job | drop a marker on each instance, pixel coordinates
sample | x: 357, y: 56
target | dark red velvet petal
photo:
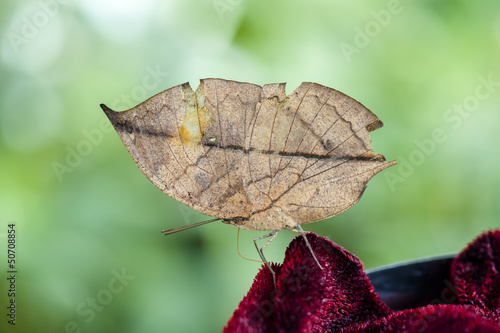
x: 476, y: 275
x: 310, y: 299
x: 442, y: 318
x: 255, y: 313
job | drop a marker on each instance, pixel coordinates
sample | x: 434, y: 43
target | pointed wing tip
x: 106, y: 110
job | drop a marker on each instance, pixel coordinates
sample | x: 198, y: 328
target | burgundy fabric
x: 476, y: 275
x: 441, y: 318
x: 340, y: 298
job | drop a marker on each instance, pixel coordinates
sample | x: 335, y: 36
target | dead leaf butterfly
x: 252, y: 157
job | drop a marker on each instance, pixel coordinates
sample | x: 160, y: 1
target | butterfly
x: 251, y: 156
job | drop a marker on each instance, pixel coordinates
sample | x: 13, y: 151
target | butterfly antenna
x: 189, y: 226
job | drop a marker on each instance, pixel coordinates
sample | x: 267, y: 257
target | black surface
x: 415, y: 283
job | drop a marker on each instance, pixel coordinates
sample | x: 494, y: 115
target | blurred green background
x: 90, y: 254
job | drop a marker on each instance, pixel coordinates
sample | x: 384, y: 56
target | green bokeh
x: 413, y: 63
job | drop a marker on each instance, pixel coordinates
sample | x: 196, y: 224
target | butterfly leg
x: 303, y: 233
x: 271, y: 236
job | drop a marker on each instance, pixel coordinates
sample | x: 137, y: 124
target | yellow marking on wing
x: 194, y: 124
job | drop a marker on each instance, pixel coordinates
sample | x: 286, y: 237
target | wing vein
x: 170, y: 148
x: 219, y: 117
x: 290, y: 130
x: 250, y: 146
x: 271, y: 177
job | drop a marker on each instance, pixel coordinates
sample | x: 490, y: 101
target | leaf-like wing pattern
x: 234, y: 149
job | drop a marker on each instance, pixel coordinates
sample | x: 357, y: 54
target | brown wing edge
x: 108, y: 112
x: 386, y: 165
x: 375, y: 125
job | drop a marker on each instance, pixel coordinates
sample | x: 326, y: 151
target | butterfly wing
x: 177, y: 139
x: 234, y: 149
x: 315, y: 155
